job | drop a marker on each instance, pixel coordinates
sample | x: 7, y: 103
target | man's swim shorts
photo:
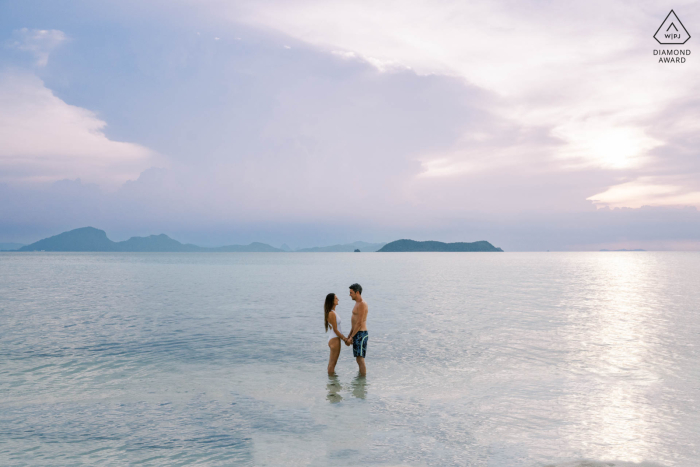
x: 359, y: 344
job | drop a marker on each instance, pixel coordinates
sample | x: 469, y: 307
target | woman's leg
x: 334, y: 344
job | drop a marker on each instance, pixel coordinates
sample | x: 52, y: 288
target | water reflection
x: 359, y: 387
x: 334, y: 388
x: 614, y: 336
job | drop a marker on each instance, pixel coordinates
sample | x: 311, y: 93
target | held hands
x: 348, y: 341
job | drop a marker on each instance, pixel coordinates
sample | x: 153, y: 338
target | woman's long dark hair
x: 327, y: 307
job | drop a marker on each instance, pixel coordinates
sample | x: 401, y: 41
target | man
x: 358, y: 333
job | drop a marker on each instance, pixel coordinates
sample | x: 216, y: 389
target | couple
x: 358, y: 333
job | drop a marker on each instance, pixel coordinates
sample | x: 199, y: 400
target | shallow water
x: 514, y: 359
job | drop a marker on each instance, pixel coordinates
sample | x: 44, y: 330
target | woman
x: 332, y: 320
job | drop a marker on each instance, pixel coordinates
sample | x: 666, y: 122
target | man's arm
x: 353, y: 331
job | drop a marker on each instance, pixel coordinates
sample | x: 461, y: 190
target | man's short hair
x: 357, y: 288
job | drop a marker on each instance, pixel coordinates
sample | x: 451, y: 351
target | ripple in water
x: 513, y: 359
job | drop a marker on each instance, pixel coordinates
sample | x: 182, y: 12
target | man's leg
x: 361, y: 364
x: 359, y: 349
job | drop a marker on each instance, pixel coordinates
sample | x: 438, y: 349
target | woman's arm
x: 332, y: 320
x: 352, y: 333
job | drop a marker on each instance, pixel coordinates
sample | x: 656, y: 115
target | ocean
x: 474, y: 359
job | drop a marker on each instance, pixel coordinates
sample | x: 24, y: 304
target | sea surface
x: 474, y: 359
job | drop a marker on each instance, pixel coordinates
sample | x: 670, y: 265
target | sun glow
x: 606, y: 147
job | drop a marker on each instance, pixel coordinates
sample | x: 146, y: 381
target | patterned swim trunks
x: 359, y: 344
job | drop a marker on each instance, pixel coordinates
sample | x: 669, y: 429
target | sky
x: 534, y: 125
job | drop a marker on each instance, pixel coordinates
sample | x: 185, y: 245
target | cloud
x: 42, y: 138
x: 648, y: 191
x: 437, y: 120
x: 38, y: 42
x: 583, y: 73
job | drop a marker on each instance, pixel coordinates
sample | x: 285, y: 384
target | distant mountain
x: 624, y: 250
x: 155, y: 243
x: 255, y: 247
x: 84, y: 239
x: 348, y: 247
x: 92, y: 239
x: 285, y: 247
x: 412, y: 245
x: 10, y: 246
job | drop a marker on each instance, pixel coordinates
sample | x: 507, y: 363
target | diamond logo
x: 672, y: 31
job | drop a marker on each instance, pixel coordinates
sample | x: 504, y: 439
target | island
x: 95, y: 240
x: 412, y: 245
x: 90, y: 239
